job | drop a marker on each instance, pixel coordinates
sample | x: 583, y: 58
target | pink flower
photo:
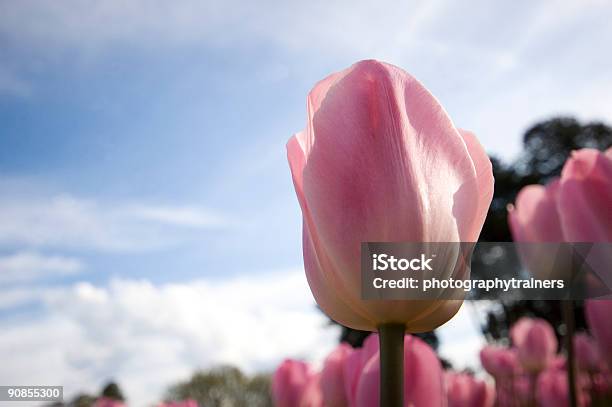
x: 380, y: 160
x: 536, y: 343
x: 463, y: 390
x: 289, y: 382
x: 183, y: 403
x: 553, y: 390
x: 355, y: 363
x: 423, y: 381
x: 499, y: 362
x: 587, y: 355
x: 312, y: 395
x: 108, y: 402
x: 599, y: 316
x: 332, y: 377
x: 573, y: 208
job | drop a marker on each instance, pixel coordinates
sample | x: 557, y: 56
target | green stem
x: 391, y: 365
x: 568, y: 316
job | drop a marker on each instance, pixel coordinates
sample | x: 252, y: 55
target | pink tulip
x: 536, y: 343
x: 332, y: 377
x: 585, y: 196
x: 183, y: 403
x: 574, y: 208
x: 463, y: 390
x: 423, y: 380
x: 587, y: 355
x: 535, y: 219
x: 499, y: 362
x: 380, y: 160
x: 599, y: 315
x: 289, y: 383
x: 108, y: 402
x: 585, y: 199
x: 355, y: 363
x: 312, y: 395
x: 553, y: 390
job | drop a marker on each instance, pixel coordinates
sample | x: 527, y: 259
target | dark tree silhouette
x: 112, y: 391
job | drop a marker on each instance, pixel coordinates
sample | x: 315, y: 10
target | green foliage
x: 224, y: 387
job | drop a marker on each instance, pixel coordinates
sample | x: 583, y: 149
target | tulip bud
x: 289, y: 382
x: 463, y: 390
x: 423, y: 381
x: 332, y: 377
x: 536, y: 343
x: 598, y: 314
x: 587, y: 355
x: 499, y: 362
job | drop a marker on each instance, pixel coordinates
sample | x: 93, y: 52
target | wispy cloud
x: 148, y: 336
x: 27, y: 266
x: 71, y: 222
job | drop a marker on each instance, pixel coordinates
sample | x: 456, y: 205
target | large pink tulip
x: 464, y: 390
x: 423, y: 379
x: 333, y: 378
x: 599, y: 317
x: 289, y: 383
x: 536, y: 343
x: 501, y: 363
x: 380, y: 160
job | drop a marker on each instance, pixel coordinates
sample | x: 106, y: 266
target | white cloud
x: 28, y: 265
x: 496, y: 67
x: 149, y: 336
x: 67, y: 221
x: 460, y: 338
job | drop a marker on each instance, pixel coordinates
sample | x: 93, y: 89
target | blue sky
x: 142, y: 150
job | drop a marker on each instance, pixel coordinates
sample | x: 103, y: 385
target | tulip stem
x: 568, y: 316
x: 392, y: 364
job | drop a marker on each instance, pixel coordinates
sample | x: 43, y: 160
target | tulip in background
x: 183, y: 403
x: 333, y: 377
x: 380, y: 160
x: 573, y: 208
x: 587, y: 354
x: 290, y: 383
x: 423, y: 381
x: 108, y: 402
x: 350, y: 378
x: 499, y: 362
x: 464, y: 390
x: 536, y: 343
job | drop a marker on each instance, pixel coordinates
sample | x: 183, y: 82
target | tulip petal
x: 484, y: 176
x: 534, y: 218
x: 585, y: 197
